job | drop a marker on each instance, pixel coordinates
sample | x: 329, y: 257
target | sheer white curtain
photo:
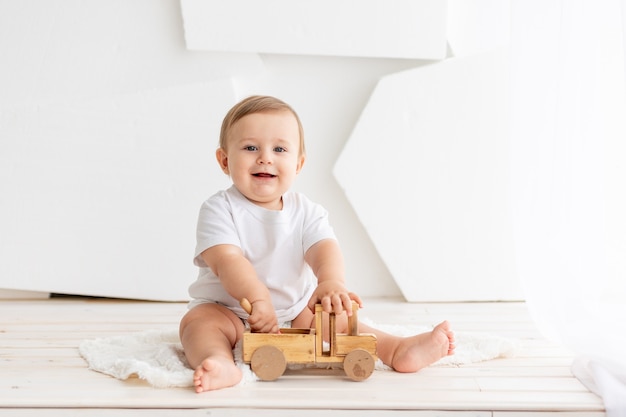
x: 568, y: 161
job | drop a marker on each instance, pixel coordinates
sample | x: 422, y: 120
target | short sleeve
x: 316, y: 226
x: 215, y: 226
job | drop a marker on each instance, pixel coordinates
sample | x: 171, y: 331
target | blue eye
x: 250, y: 148
x: 280, y: 149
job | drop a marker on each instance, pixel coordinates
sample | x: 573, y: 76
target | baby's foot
x: 416, y: 352
x: 216, y: 373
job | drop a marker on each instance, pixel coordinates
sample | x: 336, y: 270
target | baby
x: 259, y: 240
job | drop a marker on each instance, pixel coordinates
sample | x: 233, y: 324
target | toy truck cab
x: 269, y: 354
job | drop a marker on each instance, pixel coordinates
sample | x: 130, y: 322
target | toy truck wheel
x: 359, y: 365
x: 268, y: 363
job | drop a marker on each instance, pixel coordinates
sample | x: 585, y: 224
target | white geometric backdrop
x: 426, y: 169
x: 108, y: 121
x: 364, y: 28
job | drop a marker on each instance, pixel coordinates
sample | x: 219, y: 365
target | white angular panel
x: 100, y: 197
x: 426, y: 170
x: 367, y: 28
x: 107, y: 132
x: 477, y: 26
x: 60, y: 51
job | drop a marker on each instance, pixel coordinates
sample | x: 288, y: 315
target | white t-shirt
x: 275, y: 242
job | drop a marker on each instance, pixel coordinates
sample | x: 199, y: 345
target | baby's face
x: 263, y: 156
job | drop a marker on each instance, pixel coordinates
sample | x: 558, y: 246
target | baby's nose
x: 265, y: 158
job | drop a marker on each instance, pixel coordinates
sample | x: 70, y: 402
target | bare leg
x: 208, y: 334
x: 410, y: 354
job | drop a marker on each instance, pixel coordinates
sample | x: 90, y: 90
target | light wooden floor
x: 41, y: 372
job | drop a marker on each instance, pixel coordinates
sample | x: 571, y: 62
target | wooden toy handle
x: 245, y: 304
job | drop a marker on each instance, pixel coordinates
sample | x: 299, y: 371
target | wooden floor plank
x: 235, y: 412
x: 42, y: 370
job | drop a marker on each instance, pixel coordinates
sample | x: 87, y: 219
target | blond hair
x: 256, y: 104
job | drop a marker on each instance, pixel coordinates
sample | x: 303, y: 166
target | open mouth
x: 263, y: 175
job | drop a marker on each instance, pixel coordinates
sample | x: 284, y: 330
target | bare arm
x: 326, y: 261
x: 240, y: 280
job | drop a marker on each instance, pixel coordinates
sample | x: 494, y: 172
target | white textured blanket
x: 158, y: 358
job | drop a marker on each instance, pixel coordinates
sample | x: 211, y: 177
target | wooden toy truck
x: 269, y: 354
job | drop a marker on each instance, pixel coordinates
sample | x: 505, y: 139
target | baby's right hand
x: 263, y: 317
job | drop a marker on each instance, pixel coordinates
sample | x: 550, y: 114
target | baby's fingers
x: 263, y: 326
x: 347, y: 304
x: 337, y: 303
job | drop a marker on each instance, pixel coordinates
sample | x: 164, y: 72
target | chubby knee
x: 212, y: 316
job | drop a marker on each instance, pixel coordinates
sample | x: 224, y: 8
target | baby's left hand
x: 334, y: 298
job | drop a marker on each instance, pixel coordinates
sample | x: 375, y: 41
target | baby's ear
x: 301, y: 160
x: 222, y: 160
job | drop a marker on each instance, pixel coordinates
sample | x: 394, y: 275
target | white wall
x: 105, y: 112
x: 568, y: 171
x: 107, y: 130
